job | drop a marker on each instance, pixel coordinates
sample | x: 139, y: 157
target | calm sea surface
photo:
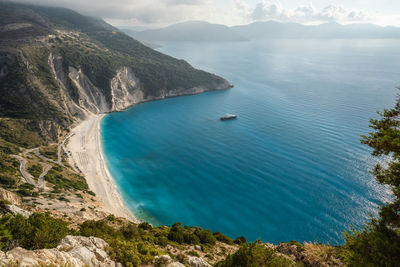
x: 291, y: 167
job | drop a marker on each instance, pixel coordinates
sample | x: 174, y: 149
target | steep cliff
x: 57, y: 67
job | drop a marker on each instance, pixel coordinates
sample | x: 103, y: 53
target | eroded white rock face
x: 17, y: 210
x: 10, y: 196
x: 89, y: 96
x: 125, y: 90
x: 72, y: 251
x: 198, y: 262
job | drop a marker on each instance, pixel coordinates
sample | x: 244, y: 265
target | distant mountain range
x: 200, y: 31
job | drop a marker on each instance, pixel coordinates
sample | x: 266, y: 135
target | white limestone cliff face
x: 70, y: 105
x: 88, y: 96
x: 125, y: 90
x: 72, y: 251
x: 82, y: 98
x: 88, y: 99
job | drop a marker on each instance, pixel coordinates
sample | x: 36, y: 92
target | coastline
x: 86, y: 152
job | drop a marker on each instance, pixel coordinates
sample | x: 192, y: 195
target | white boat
x: 228, y: 117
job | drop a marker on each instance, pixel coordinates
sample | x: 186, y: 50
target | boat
x: 228, y: 117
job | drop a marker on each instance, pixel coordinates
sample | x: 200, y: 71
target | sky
x: 159, y: 13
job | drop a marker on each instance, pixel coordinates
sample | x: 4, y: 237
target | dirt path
x: 47, y: 168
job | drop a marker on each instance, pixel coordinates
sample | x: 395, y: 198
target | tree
x: 5, y: 235
x: 378, y: 244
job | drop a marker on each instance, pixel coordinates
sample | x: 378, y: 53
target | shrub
x: 191, y: 238
x: 193, y: 253
x: 91, y: 193
x: 97, y: 228
x: 111, y: 218
x: 133, y: 253
x: 162, y: 241
x: 223, y: 238
x: 206, y: 237
x: 7, y: 180
x: 299, y: 246
x: 38, y: 231
x: 176, y: 235
x: 145, y: 226
x: 254, y: 255
x: 35, y: 170
x: 130, y: 231
x: 24, y: 192
x: 240, y: 240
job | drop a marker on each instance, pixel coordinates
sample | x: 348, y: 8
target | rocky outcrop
x: 125, y: 90
x: 14, y: 210
x: 198, y: 262
x: 72, y: 251
x: 11, y: 197
x: 309, y: 254
x: 165, y: 260
x: 88, y: 96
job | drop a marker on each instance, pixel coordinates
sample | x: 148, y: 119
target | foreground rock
x: 11, y: 197
x: 198, y: 262
x: 165, y: 260
x: 72, y: 251
x: 310, y: 254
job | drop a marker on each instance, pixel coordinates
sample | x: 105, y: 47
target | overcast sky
x: 156, y: 13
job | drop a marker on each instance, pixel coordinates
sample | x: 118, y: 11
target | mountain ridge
x: 263, y: 30
x: 195, y: 31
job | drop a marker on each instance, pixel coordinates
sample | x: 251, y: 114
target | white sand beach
x: 85, y: 148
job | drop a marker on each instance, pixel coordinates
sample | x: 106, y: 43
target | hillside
x: 57, y: 66
x: 190, y: 31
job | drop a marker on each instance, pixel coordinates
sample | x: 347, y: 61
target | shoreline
x: 86, y: 152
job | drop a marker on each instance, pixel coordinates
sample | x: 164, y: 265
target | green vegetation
x: 49, y: 151
x: 38, y: 231
x: 35, y: 170
x: 65, y: 179
x: 223, y: 238
x: 133, y: 244
x: 378, y: 244
x: 191, y: 235
x: 255, y: 255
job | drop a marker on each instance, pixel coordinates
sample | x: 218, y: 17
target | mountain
x: 277, y: 30
x: 57, y: 67
x: 193, y: 31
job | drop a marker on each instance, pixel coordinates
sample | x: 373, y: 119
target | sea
x: 290, y: 167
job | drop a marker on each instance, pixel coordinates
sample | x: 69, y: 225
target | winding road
x: 47, y: 167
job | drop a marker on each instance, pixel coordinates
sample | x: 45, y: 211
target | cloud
x: 136, y: 11
x: 273, y: 10
x: 156, y: 13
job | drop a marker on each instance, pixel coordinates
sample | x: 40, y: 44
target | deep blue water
x: 290, y: 167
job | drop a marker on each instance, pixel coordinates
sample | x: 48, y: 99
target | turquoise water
x: 290, y: 167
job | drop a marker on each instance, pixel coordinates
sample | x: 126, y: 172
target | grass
x: 35, y: 170
x: 63, y: 178
x: 49, y: 151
